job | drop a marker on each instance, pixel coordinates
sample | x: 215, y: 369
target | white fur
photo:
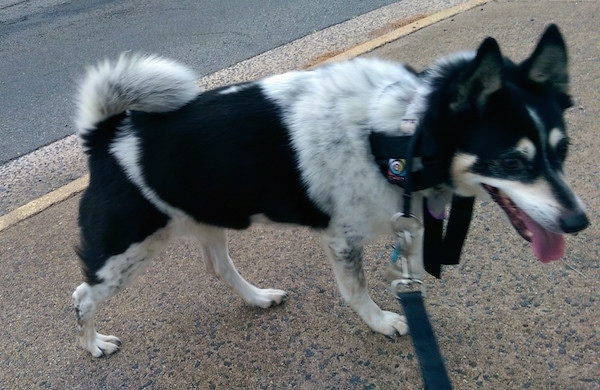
x: 330, y: 125
x: 233, y: 89
x: 126, y: 150
x: 118, y: 271
x: 556, y: 135
x: 540, y: 128
x: 121, y: 269
x: 133, y: 82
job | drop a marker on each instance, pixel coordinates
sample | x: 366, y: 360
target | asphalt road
x: 44, y: 46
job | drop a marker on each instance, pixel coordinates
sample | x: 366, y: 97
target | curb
x: 65, y: 192
x: 40, y: 204
x: 403, y: 31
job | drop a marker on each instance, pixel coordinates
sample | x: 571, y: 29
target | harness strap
x: 389, y: 150
x: 433, y: 240
x: 444, y: 249
x: 394, y: 155
x: 457, y: 229
x: 433, y: 370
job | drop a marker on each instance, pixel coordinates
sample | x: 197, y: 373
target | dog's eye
x: 511, y: 163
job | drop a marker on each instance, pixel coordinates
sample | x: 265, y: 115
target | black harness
x: 394, y: 156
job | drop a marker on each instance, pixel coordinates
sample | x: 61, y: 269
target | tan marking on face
x: 466, y: 183
x: 527, y: 148
x: 462, y: 164
x: 555, y: 137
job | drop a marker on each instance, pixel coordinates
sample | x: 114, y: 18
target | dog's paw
x: 391, y: 324
x: 101, y: 345
x: 268, y: 297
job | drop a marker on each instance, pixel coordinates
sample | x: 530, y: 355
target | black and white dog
x: 167, y: 159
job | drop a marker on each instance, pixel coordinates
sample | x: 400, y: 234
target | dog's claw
x: 103, y: 345
x: 391, y: 324
x: 283, y: 299
x: 268, y: 297
x: 401, y: 326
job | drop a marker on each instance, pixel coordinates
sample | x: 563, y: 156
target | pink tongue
x: 547, y: 246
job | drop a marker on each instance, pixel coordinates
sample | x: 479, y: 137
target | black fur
x: 249, y: 168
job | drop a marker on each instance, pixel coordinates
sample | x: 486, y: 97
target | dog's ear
x: 483, y: 79
x: 548, y: 63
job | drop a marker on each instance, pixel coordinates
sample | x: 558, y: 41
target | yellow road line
x: 43, y: 202
x: 404, y: 30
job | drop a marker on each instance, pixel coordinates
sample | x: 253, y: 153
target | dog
x: 168, y: 159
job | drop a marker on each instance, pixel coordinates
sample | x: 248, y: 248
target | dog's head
x: 510, y: 140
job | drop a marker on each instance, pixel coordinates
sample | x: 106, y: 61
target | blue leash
x: 433, y: 370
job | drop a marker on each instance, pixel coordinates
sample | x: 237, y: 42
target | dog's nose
x: 574, y: 222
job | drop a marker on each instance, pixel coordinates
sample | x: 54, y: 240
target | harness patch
x: 396, y: 170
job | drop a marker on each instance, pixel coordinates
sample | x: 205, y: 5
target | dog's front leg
x: 346, y: 257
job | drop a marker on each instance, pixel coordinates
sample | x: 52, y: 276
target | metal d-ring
x: 401, y: 222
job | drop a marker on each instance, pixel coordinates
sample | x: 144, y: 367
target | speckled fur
x: 168, y: 160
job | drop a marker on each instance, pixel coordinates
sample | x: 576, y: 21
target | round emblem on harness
x: 396, y: 169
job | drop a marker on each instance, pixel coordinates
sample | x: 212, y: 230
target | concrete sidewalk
x: 503, y: 320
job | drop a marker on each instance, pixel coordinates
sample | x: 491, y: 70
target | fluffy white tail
x: 132, y: 82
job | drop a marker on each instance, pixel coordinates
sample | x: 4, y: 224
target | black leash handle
x: 433, y: 370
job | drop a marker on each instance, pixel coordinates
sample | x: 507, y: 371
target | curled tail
x: 132, y: 82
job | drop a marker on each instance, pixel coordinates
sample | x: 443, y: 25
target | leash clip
x: 407, y: 228
x: 407, y: 283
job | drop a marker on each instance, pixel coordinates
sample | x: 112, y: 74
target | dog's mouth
x: 547, y: 246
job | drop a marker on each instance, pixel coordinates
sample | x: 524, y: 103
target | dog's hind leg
x: 346, y: 259
x: 219, y: 263
x: 115, y: 274
x: 85, y: 299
